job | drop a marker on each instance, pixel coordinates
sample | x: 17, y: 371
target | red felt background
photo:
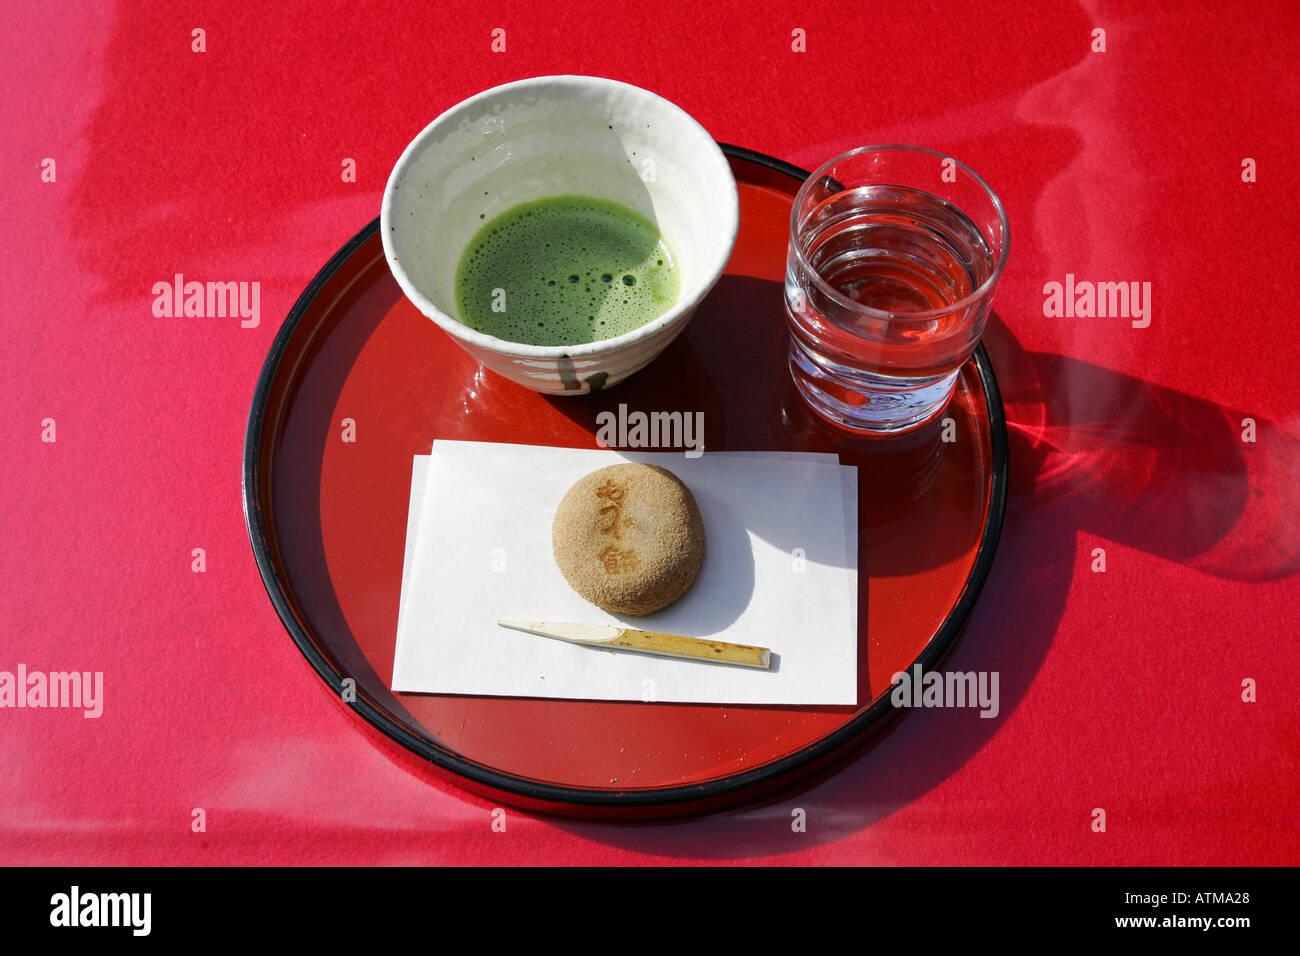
x: 1121, y: 690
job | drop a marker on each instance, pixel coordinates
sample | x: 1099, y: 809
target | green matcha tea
x: 565, y: 270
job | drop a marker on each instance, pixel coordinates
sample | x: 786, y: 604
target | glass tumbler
x: 894, y: 255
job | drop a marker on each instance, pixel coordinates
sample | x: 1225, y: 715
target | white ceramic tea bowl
x: 550, y: 136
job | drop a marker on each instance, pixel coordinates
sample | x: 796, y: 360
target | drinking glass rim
x: 843, y: 300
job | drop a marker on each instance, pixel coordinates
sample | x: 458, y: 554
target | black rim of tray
x: 871, y: 718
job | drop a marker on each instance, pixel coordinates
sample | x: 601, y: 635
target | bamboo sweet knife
x: 648, y: 642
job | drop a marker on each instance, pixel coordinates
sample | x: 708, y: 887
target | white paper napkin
x: 780, y: 570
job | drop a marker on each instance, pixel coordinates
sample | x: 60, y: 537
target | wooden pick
x: 648, y: 642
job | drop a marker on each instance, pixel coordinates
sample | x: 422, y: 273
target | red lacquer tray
x: 327, y: 520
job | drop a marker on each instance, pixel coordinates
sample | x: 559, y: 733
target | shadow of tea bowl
x: 556, y: 136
